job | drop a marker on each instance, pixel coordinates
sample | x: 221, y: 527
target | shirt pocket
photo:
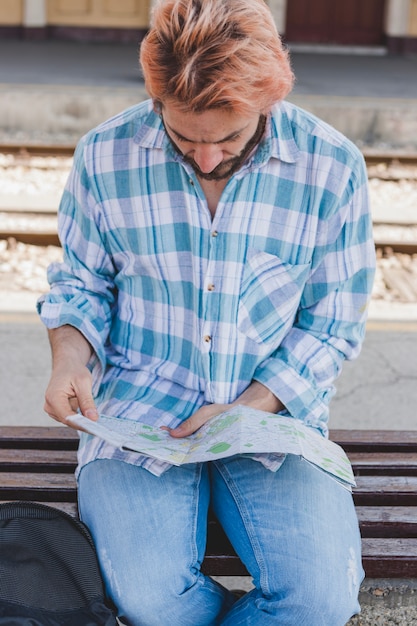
x: 269, y: 297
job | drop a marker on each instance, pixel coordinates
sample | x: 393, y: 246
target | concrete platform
x: 377, y: 391
x: 58, y: 90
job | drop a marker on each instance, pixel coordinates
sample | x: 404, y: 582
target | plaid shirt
x: 182, y: 309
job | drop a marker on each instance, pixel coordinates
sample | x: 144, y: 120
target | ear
x: 157, y: 107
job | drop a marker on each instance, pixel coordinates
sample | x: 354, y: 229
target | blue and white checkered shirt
x: 182, y: 309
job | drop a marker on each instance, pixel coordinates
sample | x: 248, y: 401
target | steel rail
x: 372, y: 157
x: 43, y: 238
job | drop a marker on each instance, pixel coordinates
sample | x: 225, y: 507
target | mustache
x: 229, y: 167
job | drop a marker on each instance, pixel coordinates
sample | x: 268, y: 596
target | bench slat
x: 382, y: 491
x: 13, y: 460
x: 223, y: 565
x: 41, y: 437
x: 375, y: 440
x: 44, y: 487
x: 390, y: 558
x: 384, y: 463
x: 363, y: 463
x: 388, y: 521
x: 382, y: 558
x: 352, y: 440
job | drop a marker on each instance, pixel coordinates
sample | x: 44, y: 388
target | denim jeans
x: 295, y: 530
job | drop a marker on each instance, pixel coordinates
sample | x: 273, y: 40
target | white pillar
x: 34, y: 13
x: 397, y: 18
x: 151, y: 7
x: 279, y: 11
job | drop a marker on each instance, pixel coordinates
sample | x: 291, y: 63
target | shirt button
x: 214, y: 233
x: 191, y: 182
x: 210, y: 287
x: 207, y: 338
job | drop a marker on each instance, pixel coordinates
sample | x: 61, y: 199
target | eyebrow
x: 232, y: 135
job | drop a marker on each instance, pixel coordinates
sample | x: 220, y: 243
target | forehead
x: 211, y: 126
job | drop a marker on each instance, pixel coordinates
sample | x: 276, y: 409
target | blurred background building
x: 380, y: 25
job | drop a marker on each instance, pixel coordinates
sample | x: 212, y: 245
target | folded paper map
x: 241, y: 430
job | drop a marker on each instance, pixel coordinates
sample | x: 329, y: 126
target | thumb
x: 84, y: 394
x: 87, y: 405
x: 89, y: 410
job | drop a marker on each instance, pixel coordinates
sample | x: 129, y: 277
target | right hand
x: 69, y: 390
x: 70, y: 386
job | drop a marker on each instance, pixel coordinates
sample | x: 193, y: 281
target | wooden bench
x: 37, y: 463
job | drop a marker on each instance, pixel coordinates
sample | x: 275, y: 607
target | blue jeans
x: 295, y: 530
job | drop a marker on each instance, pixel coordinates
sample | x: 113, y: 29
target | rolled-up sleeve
x: 330, y: 322
x: 82, y: 286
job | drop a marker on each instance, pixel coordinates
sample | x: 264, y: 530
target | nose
x: 208, y: 157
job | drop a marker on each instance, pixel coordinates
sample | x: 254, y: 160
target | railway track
x: 37, y: 150
x: 28, y: 221
x: 36, y: 224
x: 25, y: 151
x: 372, y: 157
x: 51, y: 239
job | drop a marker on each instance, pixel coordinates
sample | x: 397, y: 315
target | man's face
x: 215, y: 142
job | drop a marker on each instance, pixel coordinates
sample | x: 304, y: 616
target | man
x: 218, y: 251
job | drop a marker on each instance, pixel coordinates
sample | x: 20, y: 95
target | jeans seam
x: 247, y: 522
x: 196, y: 504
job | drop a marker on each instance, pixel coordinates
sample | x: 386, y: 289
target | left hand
x: 200, y: 417
x: 256, y: 395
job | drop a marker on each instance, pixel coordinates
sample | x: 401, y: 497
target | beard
x: 227, y: 168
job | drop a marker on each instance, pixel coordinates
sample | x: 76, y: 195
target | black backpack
x: 49, y: 573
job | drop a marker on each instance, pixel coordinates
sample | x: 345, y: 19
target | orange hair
x: 205, y: 54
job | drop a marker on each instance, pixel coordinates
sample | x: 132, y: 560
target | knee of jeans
x: 317, y: 608
x: 321, y: 600
x: 153, y: 605
x: 328, y: 607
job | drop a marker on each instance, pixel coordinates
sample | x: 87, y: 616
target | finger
x: 74, y: 404
x: 85, y: 399
x: 186, y: 428
x: 59, y: 409
x: 196, y: 421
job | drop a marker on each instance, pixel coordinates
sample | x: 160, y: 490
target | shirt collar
x: 151, y: 133
x: 278, y: 141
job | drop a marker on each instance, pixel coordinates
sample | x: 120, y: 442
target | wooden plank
x: 44, y: 487
x: 223, y: 565
x: 390, y: 558
x: 384, y: 463
x: 381, y: 558
x: 41, y: 437
x: 375, y: 440
x: 29, y: 460
x: 385, y: 491
x: 34, y: 481
x: 389, y: 521
x: 352, y: 439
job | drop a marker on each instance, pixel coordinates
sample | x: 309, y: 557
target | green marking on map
x: 222, y: 446
x: 151, y: 437
x: 221, y: 424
